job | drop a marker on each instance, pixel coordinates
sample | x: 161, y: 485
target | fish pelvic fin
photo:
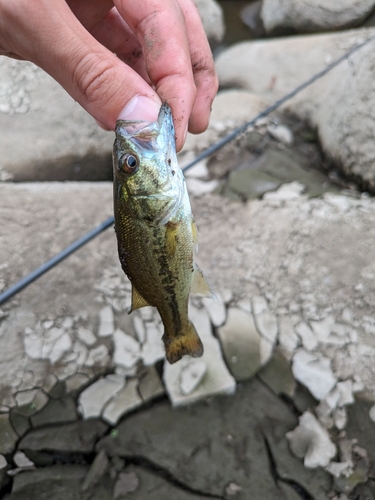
x: 186, y: 343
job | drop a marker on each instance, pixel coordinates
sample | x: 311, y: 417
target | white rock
x: 98, y: 355
x: 281, y: 133
x: 365, y: 350
x: 306, y: 335
x: 216, y: 310
x: 338, y: 469
x: 259, y: 304
x: 153, y: 348
x: 139, y: 328
x: 199, y: 170
x: 127, y: 349
x: 266, y: 323
x: 340, y: 418
x: 311, y: 442
x: 106, y: 322
x: 244, y: 304
x: 314, y: 373
x: 288, y: 339
x: 322, y: 329
x: 265, y: 350
x: 3, y: 462
x: 33, y: 346
x: 48, y: 324
x: 68, y: 323
x: 240, y: 342
x: 21, y: 460
x: 93, y: 399
x: 346, y: 393
x: 192, y: 375
x: 125, y: 400
x: 147, y: 313
x: 197, y: 187
x: 201, y: 321
x: 80, y: 352
x: 60, y: 347
x: 217, y: 379
x: 287, y: 191
x: 76, y: 381
x: 26, y: 397
x: 372, y: 413
x: 86, y: 336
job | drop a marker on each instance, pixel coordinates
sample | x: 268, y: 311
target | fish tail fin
x: 186, y: 343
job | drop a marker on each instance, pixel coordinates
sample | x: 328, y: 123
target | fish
x: 156, y: 233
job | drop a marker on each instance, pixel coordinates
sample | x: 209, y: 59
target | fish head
x: 148, y: 182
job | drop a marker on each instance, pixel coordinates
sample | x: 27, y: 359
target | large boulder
x: 340, y: 105
x: 307, y: 16
x: 212, y: 19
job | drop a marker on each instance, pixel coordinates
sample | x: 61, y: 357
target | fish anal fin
x: 171, y: 237
x: 188, y: 343
x: 137, y: 300
x: 200, y: 286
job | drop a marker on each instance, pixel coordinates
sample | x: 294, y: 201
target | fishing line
x: 37, y: 273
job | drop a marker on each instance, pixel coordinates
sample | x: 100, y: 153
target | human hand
x: 119, y: 59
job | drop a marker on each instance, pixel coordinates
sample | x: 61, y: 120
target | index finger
x: 160, y: 28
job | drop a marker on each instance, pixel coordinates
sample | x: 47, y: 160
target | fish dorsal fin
x: 137, y: 300
x: 199, y: 285
x: 194, y: 230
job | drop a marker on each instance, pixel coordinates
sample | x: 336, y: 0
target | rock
x: 281, y: 16
x: 126, y: 483
x: 313, y: 372
x: 153, y: 348
x: 3, y: 462
x: 56, y: 411
x: 77, y: 437
x: 86, y: 336
x: 334, y: 104
x: 306, y: 335
x: 281, y: 133
x: 278, y: 375
x: 97, y: 356
x: 92, y: 400
x: 212, y: 19
x: 287, y: 337
x: 266, y: 324
x: 198, y: 171
x: 127, y: 349
x: 67, y: 138
x: 216, y: 379
x: 106, y: 322
x: 236, y: 425
x: 216, y: 310
x: 240, y: 342
x: 58, y: 482
x: 21, y: 460
x: 311, y: 442
x: 150, y: 385
x: 97, y: 470
x: 8, y: 437
x: 125, y: 400
x: 197, y: 187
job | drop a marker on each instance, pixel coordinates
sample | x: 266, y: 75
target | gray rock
x: 60, y: 140
x: 56, y: 411
x: 314, y: 372
x: 212, y: 19
x: 126, y: 483
x: 335, y: 105
x: 150, y: 385
x: 77, y: 437
x: 240, y: 342
x: 97, y: 470
x: 278, y: 375
x: 280, y: 16
x: 124, y: 401
x: 9, y: 438
x: 92, y: 401
x: 59, y: 482
x: 231, y: 428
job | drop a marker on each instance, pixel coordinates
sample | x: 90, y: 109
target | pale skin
x: 118, y: 59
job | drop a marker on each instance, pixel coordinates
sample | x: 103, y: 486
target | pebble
x: 266, y: 324
x: 126, y: 483
x: 59, y: 348
x: 306, y: 335
x: 139, y: 328
x: 98, y: 355
x: 372, y: 413
x: 153, y: 348
x: 345, y: 389
x: 216, y: 310
x: 288, y: 339
x: 313, y: 372
x: 21, y: 460
x: 322, y: 329
x: 76, y: 381
x: 259, y: 304
x: 86, y: 336
x: 3, y: 462
x: 288, y: 191
x: 201, y: 321
x: 192, y: 375
x: 281, y: 133
x: 240, y: 342
x: 106, y: 322
x: 150, y: 385
x: 127, y: 349
x: 125, y: 400
x: 197, y: 187
x: 199, y: 171
x: 311, y: 442
x: 93, y: 399
x: 265, y: 351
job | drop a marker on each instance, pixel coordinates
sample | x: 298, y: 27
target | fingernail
x: 142, y: 108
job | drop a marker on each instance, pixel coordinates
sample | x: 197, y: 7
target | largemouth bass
x: 156, y: 232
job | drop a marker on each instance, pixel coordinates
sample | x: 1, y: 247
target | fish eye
x: 130, y: 163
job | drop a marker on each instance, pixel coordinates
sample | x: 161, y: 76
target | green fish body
x: 155, y: 229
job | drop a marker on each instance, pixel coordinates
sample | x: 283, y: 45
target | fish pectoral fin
x: 194, y: 230
x: 137, y: 300
x: 199, y: 285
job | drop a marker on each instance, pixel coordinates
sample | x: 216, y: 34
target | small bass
x: 155, y: 229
